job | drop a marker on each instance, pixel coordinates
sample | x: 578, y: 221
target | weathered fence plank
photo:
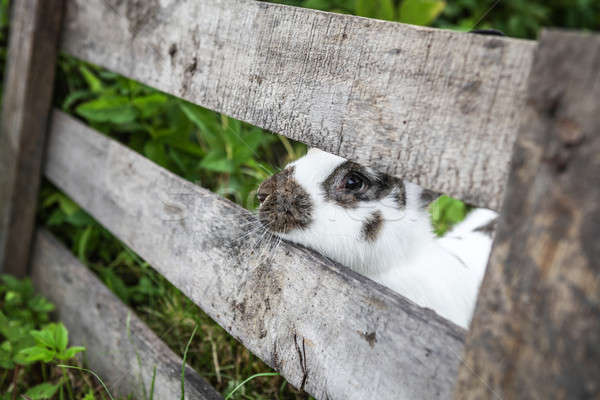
x: 120, y: 347
x: 27, y: 95
x: 439, y: 108
x: 536, y: 330
x: 328, y: 330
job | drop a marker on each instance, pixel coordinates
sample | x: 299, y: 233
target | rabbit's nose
x: 262, y: 196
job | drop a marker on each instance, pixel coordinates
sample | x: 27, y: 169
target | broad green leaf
x: 42, y: 391
x: 70, y: 352
x: 151, y: 104
x: 44, y: 337
x: 205, y: 121
x: 386, y: 10
x: 61, y: 336
x: 420, y: 12
x: 218, y: 162
x: 184, y: 144
x: 114, y: 109
x: 33, y: 354
x: 74, y: 97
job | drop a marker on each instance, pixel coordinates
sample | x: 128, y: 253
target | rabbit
x: 378, y: 226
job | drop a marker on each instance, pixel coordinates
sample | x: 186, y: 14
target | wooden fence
x: 440, y: 108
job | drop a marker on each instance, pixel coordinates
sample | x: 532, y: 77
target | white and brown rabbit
x: 378, y: 226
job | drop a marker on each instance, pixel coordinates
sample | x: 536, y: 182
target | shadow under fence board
x: 112, y: 334
x: 439, y: 108
x: 328, y: 330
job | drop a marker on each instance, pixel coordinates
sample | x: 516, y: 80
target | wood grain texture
x: 113, y: 335
x: 33, y: 44
x: 536, y: 329
x: 328, y: 330
x: 439, y: 108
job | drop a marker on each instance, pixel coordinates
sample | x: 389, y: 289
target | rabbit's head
x: 355, y: 215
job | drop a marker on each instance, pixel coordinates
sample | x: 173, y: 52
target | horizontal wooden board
x: 121, y: 349
x: 436, y: 107
x: 328, y: 330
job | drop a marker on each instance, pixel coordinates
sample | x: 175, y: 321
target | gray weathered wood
x: 113, y: 335
x: 27, y: 96
x: 439, y: 108
x: 328, y: 330
x: 536, y: 329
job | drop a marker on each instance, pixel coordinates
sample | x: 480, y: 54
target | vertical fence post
x: 536, y: 329
x: 35, y: 26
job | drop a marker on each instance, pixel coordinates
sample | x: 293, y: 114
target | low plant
x: 31, y: 347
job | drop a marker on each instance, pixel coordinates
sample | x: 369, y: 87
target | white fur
x: 405, y: 256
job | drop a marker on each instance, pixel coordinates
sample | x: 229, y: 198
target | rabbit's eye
x: 354, y: 182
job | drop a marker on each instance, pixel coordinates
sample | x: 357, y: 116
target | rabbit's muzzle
x: 285, y: 205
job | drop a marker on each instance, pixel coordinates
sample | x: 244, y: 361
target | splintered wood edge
x: 329, y: 331
x: 436, y: 107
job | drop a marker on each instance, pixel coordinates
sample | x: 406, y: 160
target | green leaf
x: 420, y: 12
x: 61, y: 336
x: 42, y: 391
x: 115, y: 109
x: 92, y: 80
x: 79, y: 219
x: 83, y: 242
x: 32, y: 354
x: 70, y: 352
x: 45, y: 337
x: 74, y: 97
x: 386, y: 10
x: 155, y: 151
x: 151, y: 104
x: 40, y: 304
x: 380, y: 9
x: 89, y: 395
x: 6, y: 355
x: 218, y: 162
x: 67, y: 205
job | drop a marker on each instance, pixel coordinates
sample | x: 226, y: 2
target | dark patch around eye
x: 379, y: 186
x: 372, y: 226
x: 287, y: 206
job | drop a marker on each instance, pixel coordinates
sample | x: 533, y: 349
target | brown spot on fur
x: 372, y: 226
x: 378, y: 186
x: 285, y: 204
x: 370, y: 337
